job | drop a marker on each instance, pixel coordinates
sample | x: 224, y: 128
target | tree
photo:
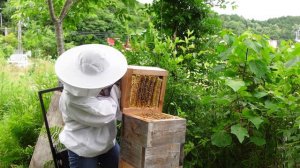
x: 58, y: 22
x: 65, y: 18
x: 175, y: 17
x: 282, y: 28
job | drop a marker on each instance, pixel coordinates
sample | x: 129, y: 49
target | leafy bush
x: 40, y: 40
x: 9, y: 44
x: 239, y: 95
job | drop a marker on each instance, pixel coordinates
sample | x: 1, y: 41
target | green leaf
x: 182, y: 48
x: 297, y: 122
x: 256, y: 121
x: 252, y: 45
x: 221, y: 139
x: 225, y: 54
x: 188, y: 147
x: 258, y: 67
x: 188, y: 56
x: 235, y: 84
x: 292, y: 62
x: 247, y: 113
x: 258, y: 141
x: 179, y: 59
x: 228, y: 39
x: 260, y: 94
x: 240, y: 132
x: 190, y: 32
x: 192, y: 46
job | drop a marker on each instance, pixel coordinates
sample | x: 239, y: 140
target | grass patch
x: 20, y: 113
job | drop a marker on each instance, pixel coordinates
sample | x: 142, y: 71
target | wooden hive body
x: 152, y: 142
x: 143, y: 129
x: 143, y: 89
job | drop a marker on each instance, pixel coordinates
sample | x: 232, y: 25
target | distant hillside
x: 282, y: 28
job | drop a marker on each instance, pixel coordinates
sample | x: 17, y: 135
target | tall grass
x: 20, y: 113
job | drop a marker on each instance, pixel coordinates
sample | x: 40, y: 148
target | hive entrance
x: 145, y: 91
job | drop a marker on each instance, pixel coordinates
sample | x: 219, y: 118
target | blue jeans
x: 109, y: 159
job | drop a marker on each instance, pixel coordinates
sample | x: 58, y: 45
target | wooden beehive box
x: 143, y: 89
x: 153, y: 129
x: 151, y: 139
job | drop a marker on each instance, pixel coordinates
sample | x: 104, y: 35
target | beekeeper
x: 89, y: 114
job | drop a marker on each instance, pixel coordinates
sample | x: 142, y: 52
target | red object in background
x: 110, y: 41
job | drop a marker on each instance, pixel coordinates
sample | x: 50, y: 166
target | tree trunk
x: 59, y: 36
x: 58, y: 23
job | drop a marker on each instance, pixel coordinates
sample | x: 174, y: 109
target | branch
x: 68, y: 4
x: 51, y: 10
x: 245, y: 63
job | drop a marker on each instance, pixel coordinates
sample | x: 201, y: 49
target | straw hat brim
x: 68, y: 71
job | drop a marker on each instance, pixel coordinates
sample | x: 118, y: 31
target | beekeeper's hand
x: 115, y: 94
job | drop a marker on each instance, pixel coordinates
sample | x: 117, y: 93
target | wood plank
x: 170, y: 131
x: 134, y: 130
x: 146, y: 70
x: 162, y: 93
x: 181, y: 155
x: 130, y: 110
x: 125, y: 87
x: 132, y: 153
x: 124, y: 164
x: 148, y: 133
x: 42, y: 152
x: 164, y: 156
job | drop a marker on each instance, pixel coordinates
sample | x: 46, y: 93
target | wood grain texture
x: 132, y: 153
x: 150, y: 133
x: 163, y: 156
x: 124, y: 164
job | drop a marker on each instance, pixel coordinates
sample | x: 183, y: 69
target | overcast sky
x: 264, y: 9
x: 261, y: 9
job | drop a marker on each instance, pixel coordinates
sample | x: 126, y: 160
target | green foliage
x: 239, y: 95
x: 282, y: 28
x: 86, y: 22
x: 261, y: 101
x: 40, y: 40
x: 240, y: 132
x: 20, y: 114
x: 97, y: 26
x: 240, y: 100
x: 114, y: 20
x: 175, y: 17
x: 221, y: 139
x: 9, y: 44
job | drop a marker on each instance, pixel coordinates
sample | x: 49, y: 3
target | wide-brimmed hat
x: 91, y: 66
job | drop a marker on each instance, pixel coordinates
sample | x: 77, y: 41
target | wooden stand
x: 149, y: 138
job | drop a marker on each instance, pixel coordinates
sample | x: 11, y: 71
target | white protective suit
x: 90, y: 121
